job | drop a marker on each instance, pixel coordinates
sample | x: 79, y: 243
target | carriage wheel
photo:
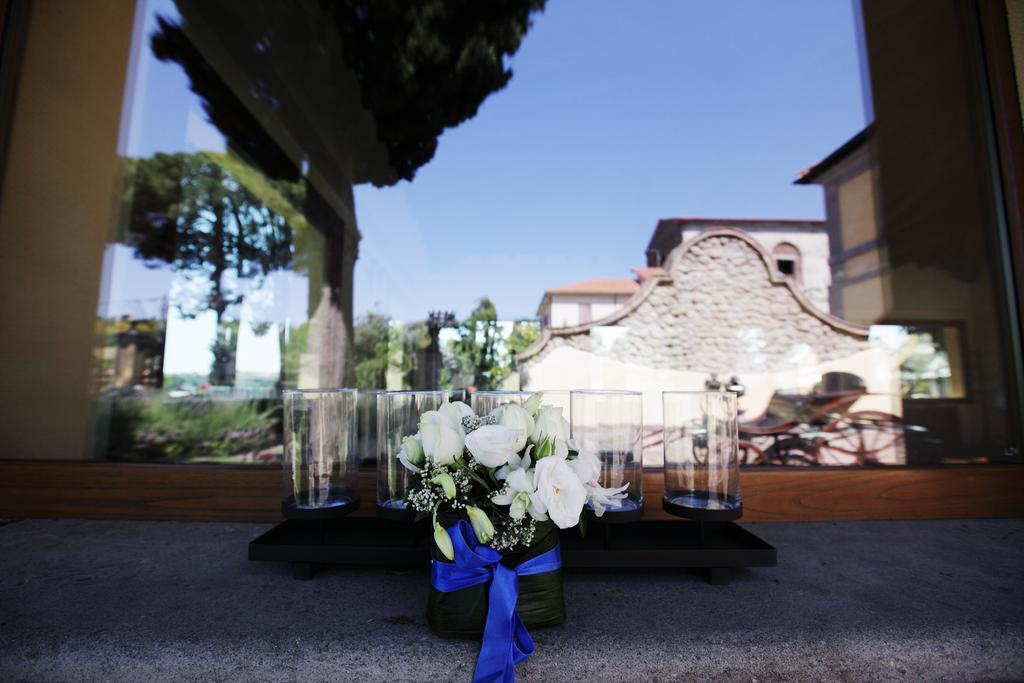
x: 751, y: 453
x: 793, y: 451
x: 861, y: 437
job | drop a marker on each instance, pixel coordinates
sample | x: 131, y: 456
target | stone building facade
x: 799, y: 249
x: 720, y: 307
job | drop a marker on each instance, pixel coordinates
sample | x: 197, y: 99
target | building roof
x: 607, y: 286
x: 647, y: 272
x: 809, y: 175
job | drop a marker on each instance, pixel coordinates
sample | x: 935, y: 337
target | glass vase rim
x: 503, y: 392
x: 414, y: 392
x: 321, y: 390
x: 606, y: 392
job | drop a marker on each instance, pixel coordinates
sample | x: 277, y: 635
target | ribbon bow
x: 506, y: 641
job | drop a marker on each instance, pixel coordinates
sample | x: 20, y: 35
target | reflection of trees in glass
x: 370, y: 350
x: 924, y: 369
x: 476, y: 356
x: 187, y: 430
x: 359, y: 91
x: 419, y: 68
x: 220, y: 224
x: 524, y: 334
x: 483, y: 356
x: 387, y: 352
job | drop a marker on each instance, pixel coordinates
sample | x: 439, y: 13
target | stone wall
x: 719, y: 309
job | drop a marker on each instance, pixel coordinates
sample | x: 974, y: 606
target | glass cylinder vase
x: 366, y: 421
x: 610, y: 425
x: 320, y: 455
x: 398, y: 416
x: 483, y: 402
x: 701, y: 445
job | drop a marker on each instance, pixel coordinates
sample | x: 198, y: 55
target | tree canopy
x: 420, y: 67
x: 223, y: 230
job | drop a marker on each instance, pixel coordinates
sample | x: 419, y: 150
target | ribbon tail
x: 506, y: 641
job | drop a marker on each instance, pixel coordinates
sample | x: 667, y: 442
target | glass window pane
x: 205, y: 204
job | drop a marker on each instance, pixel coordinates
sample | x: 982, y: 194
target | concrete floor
x: 155, y: 601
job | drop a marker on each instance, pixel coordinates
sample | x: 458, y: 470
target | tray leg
x: 305, y: 571
x: 718, y: 576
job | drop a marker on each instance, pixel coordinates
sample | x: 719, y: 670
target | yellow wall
x: 864, y: 301
x: 857, y: 210
x: 57, y: 206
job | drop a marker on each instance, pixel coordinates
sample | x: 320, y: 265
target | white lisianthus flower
x: 442, y: 434
x: 532, y: 404
x: 587, y: 468
x: 601, y: 497
x: 446, y: 482
x: 411, y: 453
x: 560, y: 490
x: 515, y: 463
x: 443, y: 541
x: 516, y: 417
x: 550, y: 433
x: 522, y: 496
x: 586, y: 465
x: 492, y: 445
x: 482, y: 525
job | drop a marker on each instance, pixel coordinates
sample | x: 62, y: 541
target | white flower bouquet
x: 497, y: 489
x: 504, y: 473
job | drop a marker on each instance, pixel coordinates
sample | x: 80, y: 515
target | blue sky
x: 618, y: 114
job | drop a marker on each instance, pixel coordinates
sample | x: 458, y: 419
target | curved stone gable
x: 720, y: 307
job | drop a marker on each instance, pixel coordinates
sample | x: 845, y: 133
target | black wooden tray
x: 716, y: 547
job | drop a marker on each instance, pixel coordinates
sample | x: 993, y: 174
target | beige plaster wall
x: 57, y: 206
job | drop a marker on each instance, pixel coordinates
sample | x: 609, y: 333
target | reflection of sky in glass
x: 617, y: 115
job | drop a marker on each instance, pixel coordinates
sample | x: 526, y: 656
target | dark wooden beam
x: 211, y: 493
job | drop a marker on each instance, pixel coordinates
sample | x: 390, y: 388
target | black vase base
x: 701, y: 514
x: 396, y: 514
x: 344, y: 501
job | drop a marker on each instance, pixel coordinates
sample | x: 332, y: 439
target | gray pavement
x: 850, y: 601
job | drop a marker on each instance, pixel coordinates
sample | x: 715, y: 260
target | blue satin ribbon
x: 506, y: 641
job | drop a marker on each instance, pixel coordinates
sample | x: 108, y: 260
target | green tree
x: 524, y: 334
x: 219, y: 223
x: 416, y: 68
x: 371, y: 341
x: 478, y: 350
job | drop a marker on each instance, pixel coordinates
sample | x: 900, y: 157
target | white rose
x: 516, y: 417
x: 492, y: 445
x: 464, y: 410
x: 560, y: 490
x: 442, y: 433
x: 550, y: 426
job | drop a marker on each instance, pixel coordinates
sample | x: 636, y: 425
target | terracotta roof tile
x: 621, y: 286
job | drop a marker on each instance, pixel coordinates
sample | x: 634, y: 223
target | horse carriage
x: 821, y: 428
